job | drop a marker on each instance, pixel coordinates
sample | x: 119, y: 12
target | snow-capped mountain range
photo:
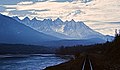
x: 62, y: 29
x: 47, y: 32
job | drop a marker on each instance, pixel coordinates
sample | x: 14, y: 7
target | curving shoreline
x: 73, y: 64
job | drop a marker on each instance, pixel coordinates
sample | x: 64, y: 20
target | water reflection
x: 31, y: 62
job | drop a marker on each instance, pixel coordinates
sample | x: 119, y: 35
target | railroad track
x: 87, y: 64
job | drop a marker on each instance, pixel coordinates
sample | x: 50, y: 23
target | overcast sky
x: 101, y: 15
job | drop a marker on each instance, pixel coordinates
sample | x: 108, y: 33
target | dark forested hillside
x: 24, y: 49
x: 104, y: 56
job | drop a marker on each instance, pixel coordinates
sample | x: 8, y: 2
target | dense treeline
x: 96, y: 48
x: 104, y: 56
x: 24, y: 49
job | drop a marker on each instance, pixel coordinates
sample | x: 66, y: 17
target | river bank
x: 29, y: 61
x: 73, y: 64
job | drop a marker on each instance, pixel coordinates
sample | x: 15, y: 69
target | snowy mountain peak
x: 47, y: 20
x: 66, y: 21
x: 34, y: 19
x: 58, y: 20
x: 26, y: 19
x: 16, y: 18
x: 72, y: 21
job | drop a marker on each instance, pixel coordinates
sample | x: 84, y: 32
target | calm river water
x: 29, y: 62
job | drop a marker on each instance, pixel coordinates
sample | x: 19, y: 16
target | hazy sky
x: 101, y: 15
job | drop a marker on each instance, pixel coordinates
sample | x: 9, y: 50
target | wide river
x: 29, y: 62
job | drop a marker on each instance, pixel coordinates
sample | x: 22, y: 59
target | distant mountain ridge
x: 69, y: 43
x: 47, y: 32
x: 62, y: 29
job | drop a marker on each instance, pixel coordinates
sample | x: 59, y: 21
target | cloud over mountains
x: 79, y: 10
